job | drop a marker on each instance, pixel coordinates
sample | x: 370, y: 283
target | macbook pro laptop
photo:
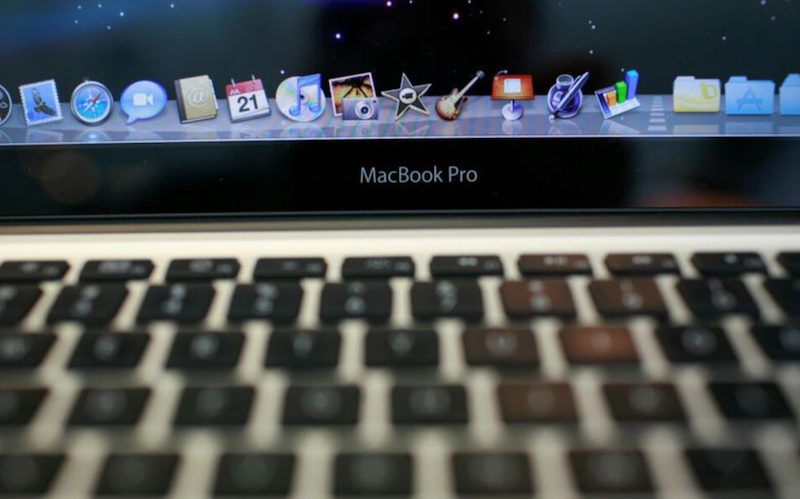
x: 404, y: 248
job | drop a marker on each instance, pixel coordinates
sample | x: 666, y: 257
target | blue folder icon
x: 790, y: 96
x: 745, y: 97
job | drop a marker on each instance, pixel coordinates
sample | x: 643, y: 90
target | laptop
x: 427, y: 249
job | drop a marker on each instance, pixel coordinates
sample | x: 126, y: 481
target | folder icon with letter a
x: 692, y: 95
x: 744, y: 97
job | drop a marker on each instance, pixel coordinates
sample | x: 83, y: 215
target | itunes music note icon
x: 301, y: 98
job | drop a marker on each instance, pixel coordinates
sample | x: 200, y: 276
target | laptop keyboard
x: 553, y: 375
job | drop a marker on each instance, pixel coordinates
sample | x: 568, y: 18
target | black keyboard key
x: 275, y: 301
x: 401, y: 349
x: 373, y: 475
x: 751, y: 401
x: 457, y: 299
x: 538, y: 298
x: 322, y: 406
x: 202, y: 350
x: 109, y: 351
x: 24, y: 350
x: 429, y: 405
x: 536, y: 403
x: 19, y: 406
x: 33, y: 272
x: 28, y: 475
x: 290, y: 268
x: 696, y: 345
x: 254, y: 475
x: 728, y: 470
x: 304, y: 349
x: 16, y: 302
x: 791, y: 262
x: 203, y: 269
x: 600, y: 346
x: 109, y: 407
x: 644, y: 403
x: 611, y: 472
x: 228, y: 406
x: 554, y: 265
x: 506, y: 474
x: 628, y: 298
x: 715, y: 298
x: 728, y: 264
x: 368, y: 300
x: 780, y: 343
x: 466, y: 266
x: 116, y: 270
x: 501, y: 347
x: 144, y: 475
x: 92, y: 305
x: 182, y: 303
x: 378, y: 267
x: 786, y: 294
x: 642, y: 264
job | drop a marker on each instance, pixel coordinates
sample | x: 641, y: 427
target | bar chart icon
x: 620, y: 98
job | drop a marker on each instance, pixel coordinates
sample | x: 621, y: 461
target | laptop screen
x: 216, y: 107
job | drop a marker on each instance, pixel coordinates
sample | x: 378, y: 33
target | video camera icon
x: 143, y: 100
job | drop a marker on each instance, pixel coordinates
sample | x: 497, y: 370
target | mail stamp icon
x: 693, y: 95
x: 745, y: 97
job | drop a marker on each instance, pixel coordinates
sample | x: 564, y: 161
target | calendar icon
x: 247, y: 100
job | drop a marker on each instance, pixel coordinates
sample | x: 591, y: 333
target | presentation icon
x: 790, y: 96
x: 5, y: 105
x: 301, y: 98
x: 620, y: 98
x: 196, y: 99
x: 143, y: 100
x: 512, y: 88
x: 40, y: 103
x: 745, y: 97
x: 247, y: 100
x: 694, y: 95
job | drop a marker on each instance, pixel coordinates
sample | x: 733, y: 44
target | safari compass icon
x: 5, y: 105
x: 91, y: 103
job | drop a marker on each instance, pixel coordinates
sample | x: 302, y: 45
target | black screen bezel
x: 537, y: 178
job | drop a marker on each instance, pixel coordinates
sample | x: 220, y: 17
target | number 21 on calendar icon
x: 247, y: 100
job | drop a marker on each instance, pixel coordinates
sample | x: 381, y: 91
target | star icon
x: 408, y: 96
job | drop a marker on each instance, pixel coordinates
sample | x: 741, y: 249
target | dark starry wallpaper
x: 438, y: 41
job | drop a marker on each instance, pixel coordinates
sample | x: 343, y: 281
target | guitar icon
x: 449, y: 107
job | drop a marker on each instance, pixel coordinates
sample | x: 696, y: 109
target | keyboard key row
x: 502, y: 474
x: 372, y: 300
x: 410, y: 405
x: 501, y: 348
x: 708, y: 264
